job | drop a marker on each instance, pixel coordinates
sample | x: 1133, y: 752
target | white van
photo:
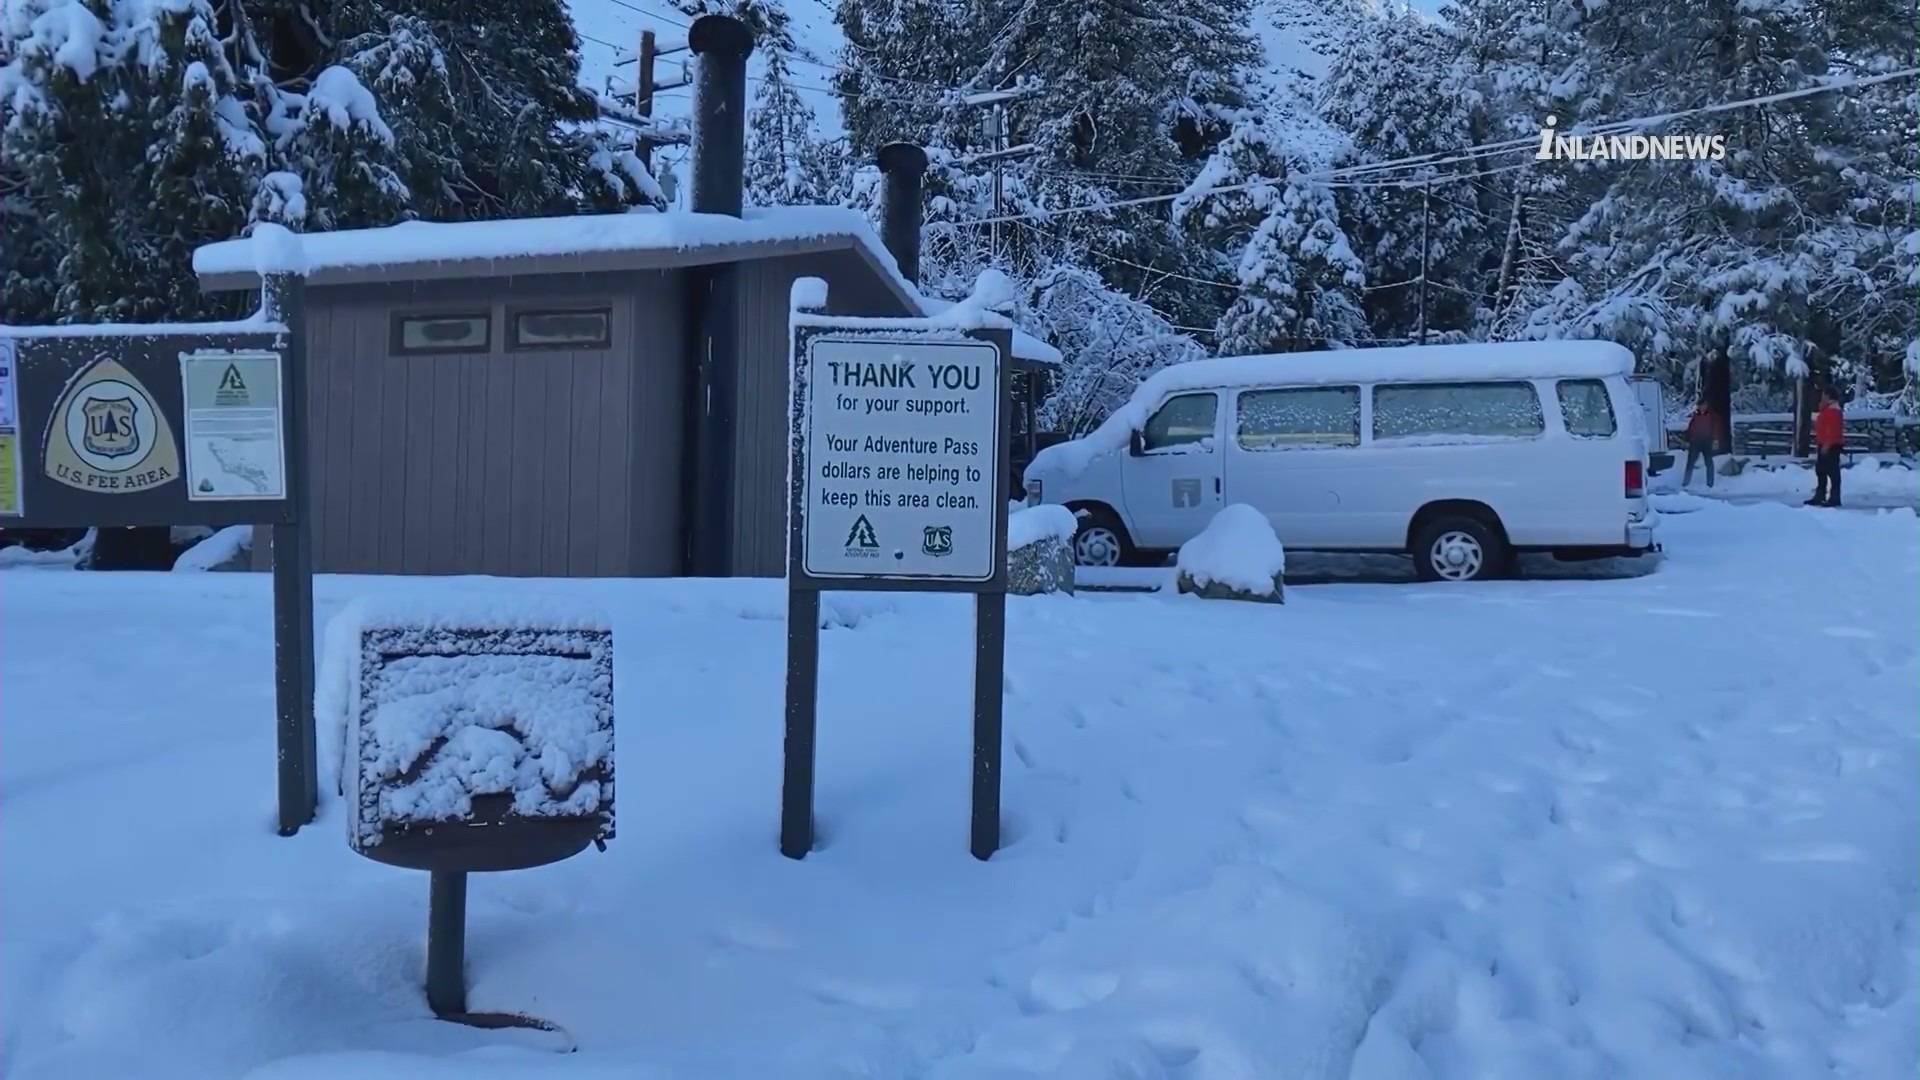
x: 1460, y: 455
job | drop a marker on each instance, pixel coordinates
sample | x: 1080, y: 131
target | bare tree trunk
x: 1510, y: 251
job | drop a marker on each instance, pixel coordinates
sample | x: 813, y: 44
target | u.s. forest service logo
x: 937, y: 539
x: 108, y: 436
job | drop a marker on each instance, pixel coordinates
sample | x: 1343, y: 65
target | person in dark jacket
x: 1702, y: 427
x: 1829, y: 436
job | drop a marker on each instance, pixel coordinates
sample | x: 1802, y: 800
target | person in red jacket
x: 1702, y: 427
x: 1829, y: 435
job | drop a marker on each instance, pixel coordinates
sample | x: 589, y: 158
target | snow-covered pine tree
x: 27, y: 273
x: 1394, y: 94
x: 1110, y: 342
x: 1295, y: 278
x: 485, y: 103
x: 27, y: 276
x: 785, y: 161
x: 1299, y: 280
x: 1521, y: 61
x: 345, y: 156
x: 1133, y: 96
x: 403, y: 65
x: 123, y: 120
x: 1770, y: 262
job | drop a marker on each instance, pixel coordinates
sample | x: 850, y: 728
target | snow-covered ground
x: 1662, y: 826
x: 1881, y: 480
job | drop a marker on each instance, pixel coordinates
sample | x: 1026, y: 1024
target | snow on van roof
x: 1404, y: 363
x: 419, y: 242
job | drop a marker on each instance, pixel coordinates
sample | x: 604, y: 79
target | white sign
x: 234, y: 426
x: 900, y: 450
x: 10, y: 501
x: 9, y: 407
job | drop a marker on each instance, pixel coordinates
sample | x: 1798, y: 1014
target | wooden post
x: 643, y: 95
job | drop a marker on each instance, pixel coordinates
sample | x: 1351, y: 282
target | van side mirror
x: 1136, y: 443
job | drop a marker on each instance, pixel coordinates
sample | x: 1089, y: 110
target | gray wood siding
x: 760, y: 430
x: 534, y: 463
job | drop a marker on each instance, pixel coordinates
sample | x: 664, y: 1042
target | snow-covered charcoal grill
x: 478, y: 749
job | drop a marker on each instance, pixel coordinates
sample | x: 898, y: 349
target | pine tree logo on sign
x: 861, y: 541
x: 110, y: 428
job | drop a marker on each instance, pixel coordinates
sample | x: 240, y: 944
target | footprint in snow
x: 1682, y: 613
x: 865, y: 995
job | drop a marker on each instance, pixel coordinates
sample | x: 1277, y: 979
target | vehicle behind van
x: 1462, y: 456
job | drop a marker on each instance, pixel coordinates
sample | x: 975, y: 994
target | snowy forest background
x: 1198, y: 183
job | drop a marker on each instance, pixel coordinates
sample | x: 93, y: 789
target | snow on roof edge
x: 255, y: 324
x: 416, y: 242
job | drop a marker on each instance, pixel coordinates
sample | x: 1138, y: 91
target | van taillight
x: 1636, y: 480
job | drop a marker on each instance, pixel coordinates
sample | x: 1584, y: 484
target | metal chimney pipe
x: 904, y: 165
x: 722, y: 43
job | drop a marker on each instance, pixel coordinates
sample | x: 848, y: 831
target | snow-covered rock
x: 1040, y: 550
x: 439, y: 707
x: 227, y: 549
x: 1236, y: 557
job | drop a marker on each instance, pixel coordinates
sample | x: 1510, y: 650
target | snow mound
x: 993, y: 293
x: 1679, y: 502
x: 276, y: 248
x: 808, y: 294
x: 1410, y: 363
x: 1237, y: 549
x: 1033, y: 524
x: 338, y: 94
x: 1867, y: 476
x: 502, y: 697
x: 222, y: 547
x: 337, y: 691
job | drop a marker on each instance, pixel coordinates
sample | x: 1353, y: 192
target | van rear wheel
x: 1102, y: 540
x: 1460, y: 549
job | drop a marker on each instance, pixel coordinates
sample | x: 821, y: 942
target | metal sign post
x: 898, y: 483
x: 177, y: 424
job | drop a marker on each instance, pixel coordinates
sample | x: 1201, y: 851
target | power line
x: 866, y: 94
x: 1471, y: 153
x: 793, y: 59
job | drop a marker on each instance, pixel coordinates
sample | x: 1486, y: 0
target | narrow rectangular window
x: 1586, y: 409
x: 1184, y: 420
x: 563, y: 328
x: 449, y: 332
x: 1457, y: 412
x: 1311, y: 416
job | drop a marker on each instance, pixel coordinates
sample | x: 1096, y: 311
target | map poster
x: 235, y: 427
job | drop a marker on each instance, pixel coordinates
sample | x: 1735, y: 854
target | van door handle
x: 1216, y: 485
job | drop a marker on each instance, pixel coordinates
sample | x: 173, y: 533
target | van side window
x: 1450, y: 411
x: 1185, y: 420
x: 1303, y: 417
x: 1586, y: 409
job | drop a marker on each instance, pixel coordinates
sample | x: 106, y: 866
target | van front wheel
x: 1459, y: 549
x: 1102, y: 540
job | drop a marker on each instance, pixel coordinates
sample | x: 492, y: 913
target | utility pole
x: 646, y: 85
x: 999, y: 153
x: 1426, y: 214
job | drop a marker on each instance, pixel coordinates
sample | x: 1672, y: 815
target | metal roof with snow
x: 586, y: 243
